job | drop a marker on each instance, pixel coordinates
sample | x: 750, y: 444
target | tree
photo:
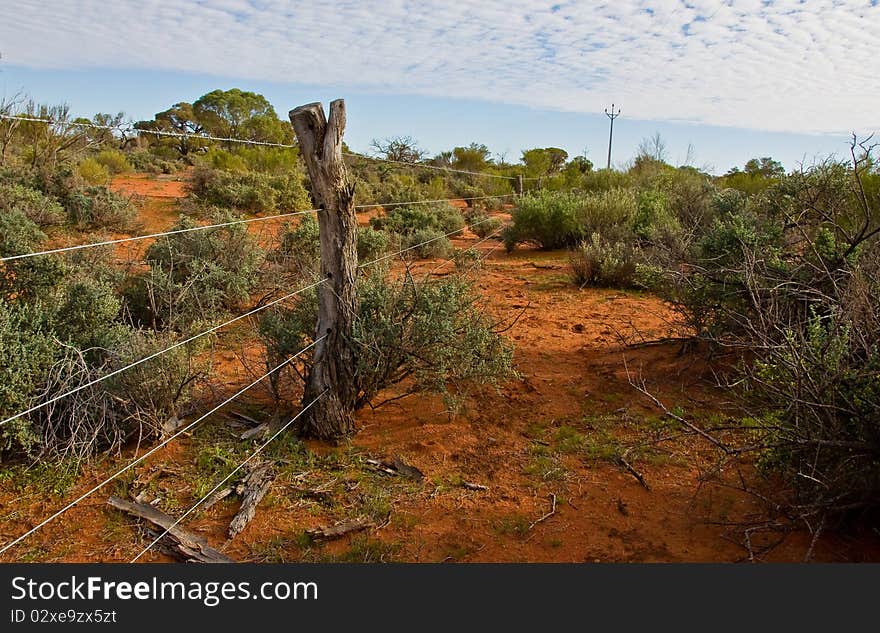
x: 404, y: 149
x: 474, y: 157
x: 653, y: 147
x: 765, y: 167
x: 179, y: 119
x: 240, y: 114
x: 544, y: 161
x: 224, y: 113
x: 580, y: 163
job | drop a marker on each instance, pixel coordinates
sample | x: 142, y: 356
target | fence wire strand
x: 153, y: 450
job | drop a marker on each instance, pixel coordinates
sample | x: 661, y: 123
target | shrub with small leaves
x: 93, y: 172
x: 44, y: 210
x: 605, y: 264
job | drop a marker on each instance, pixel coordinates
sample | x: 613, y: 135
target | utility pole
x: 611, y: 115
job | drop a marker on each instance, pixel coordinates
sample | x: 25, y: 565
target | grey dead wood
x: 180, y: 542
x: 332, y: 374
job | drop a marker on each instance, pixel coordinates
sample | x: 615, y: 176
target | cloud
x: 788, y: 65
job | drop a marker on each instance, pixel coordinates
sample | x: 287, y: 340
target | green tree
x: 179, y: 119
x: 544, y: 161
x: 474, y: 157
x: 241, y: 114
x: 765, y: 167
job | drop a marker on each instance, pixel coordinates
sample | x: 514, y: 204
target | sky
x: 733, y: 78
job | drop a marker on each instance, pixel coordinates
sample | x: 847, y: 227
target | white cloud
x: 788, y: 65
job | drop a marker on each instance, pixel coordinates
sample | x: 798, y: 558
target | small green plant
x: 93, y: 172
x: 603, y: 264
x: 113, y: 161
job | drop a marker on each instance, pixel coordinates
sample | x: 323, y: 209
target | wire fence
x: 249, y: 313
x: 187, y: 428
x: 127, y: 130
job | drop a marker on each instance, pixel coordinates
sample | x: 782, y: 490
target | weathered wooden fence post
x: 519, y: 185
x: 334, y: 361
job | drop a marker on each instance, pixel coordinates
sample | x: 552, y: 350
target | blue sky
x: 734, y: 78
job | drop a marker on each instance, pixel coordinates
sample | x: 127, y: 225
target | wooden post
x: 334, y: 362
x: 519, y: 185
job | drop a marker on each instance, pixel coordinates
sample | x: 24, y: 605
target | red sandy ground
x: 571, y: 362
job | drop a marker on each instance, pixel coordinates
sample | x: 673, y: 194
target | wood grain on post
x: 333, y: 366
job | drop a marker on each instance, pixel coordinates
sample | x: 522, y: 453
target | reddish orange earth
x: 543, y: 450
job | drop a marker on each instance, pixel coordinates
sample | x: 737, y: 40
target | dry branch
x: 252, y: 489
x: 184, y: 544
x: 549, y: 514
x: 340, y: 529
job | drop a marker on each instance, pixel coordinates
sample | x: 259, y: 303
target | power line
x: 256, y: 452
x: 91, y: 383
x: 156, y: 448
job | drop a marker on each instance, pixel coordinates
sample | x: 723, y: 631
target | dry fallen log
x: 252, y: 489
x: 473, y: 486
x: 178, y: 541
x: 395, y: 466
x: 340, y: 529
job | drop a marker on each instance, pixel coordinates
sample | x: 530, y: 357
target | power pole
x: 611, y: 115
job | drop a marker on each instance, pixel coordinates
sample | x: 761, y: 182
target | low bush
x: 195, y: 276
x: 596, y: 262
x: 433, y: 332
x: 371, y: 244
x: 405, y: 220
x: 545, y: 219
x: 484, y: 226
x: 100, y: 208
x: 42, y: 209
x: 114, y: 161
x: 426, y: 244
x: 248, y: 191
x: 93, y: 172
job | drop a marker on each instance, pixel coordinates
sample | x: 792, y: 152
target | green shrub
x: 546, y: 219
x: 405, y: 220
x: 433, y: 332
x: 371, y: 244
x: 610, y: 213
x: 248, y: 191
x: 27, y: 351
x: 27, y: 279
x: 147, y: 161
x: 196, y: 275
x: 100, y: 208
x: 113, y: 160
x: 42, y: 209
x: 484, y: 226
x: 93, y: 172
x: 427, y: 244
x: 605, y: 264
x: 299, y: 247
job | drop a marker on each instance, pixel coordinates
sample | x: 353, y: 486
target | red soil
x: 570, y: 358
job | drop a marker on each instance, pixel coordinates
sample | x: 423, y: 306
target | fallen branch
x: 252, y: 489
x: 473, y: 486
x: 395, y: 467
x: 642, y: 389
x: 549, y: 514
x: 339, y: 530
x: 184, y: 544
x: 632, y: 471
